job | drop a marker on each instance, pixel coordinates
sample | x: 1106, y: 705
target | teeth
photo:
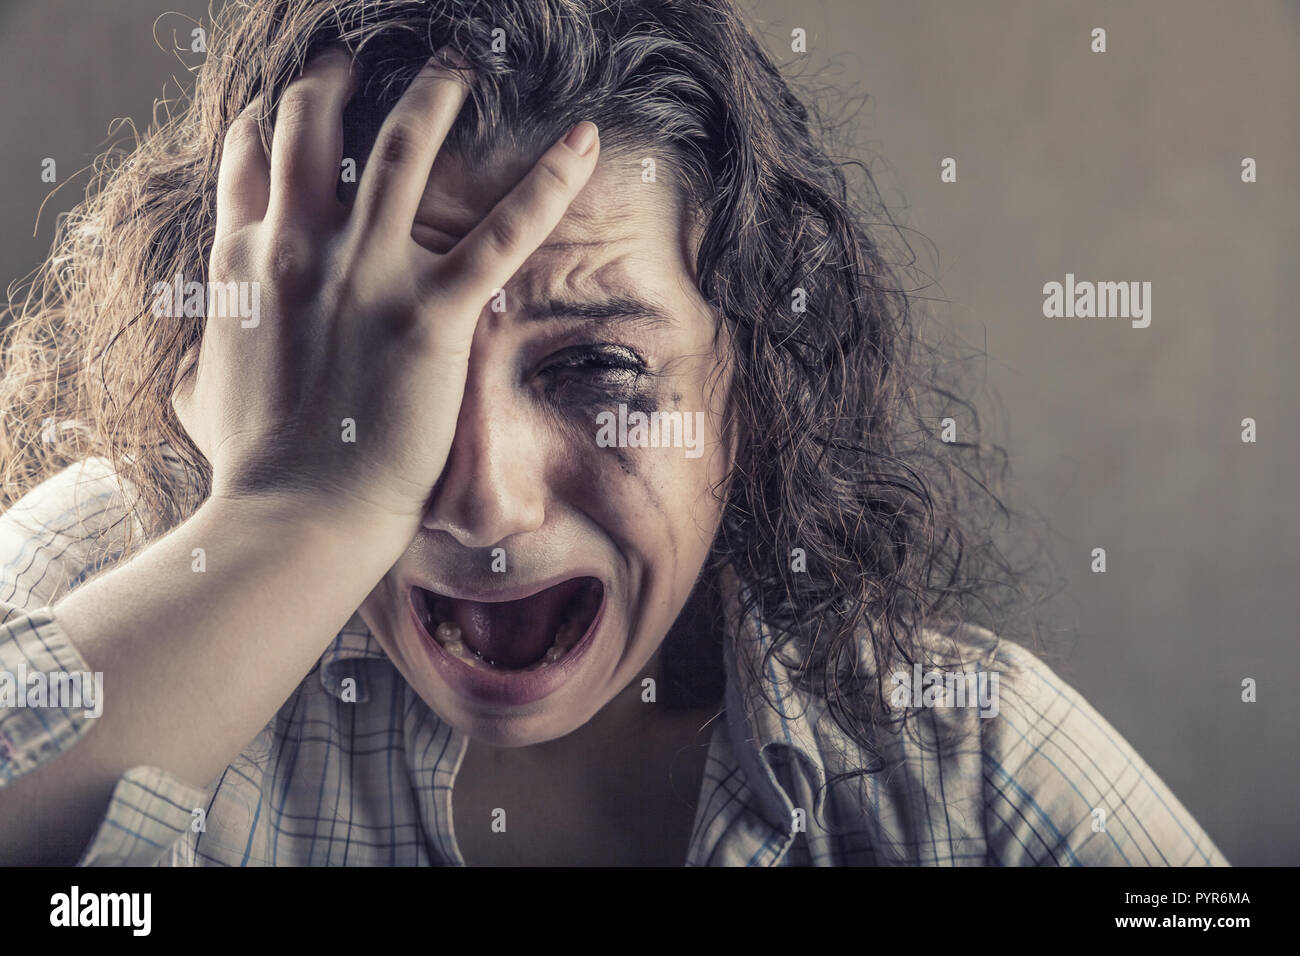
x: 449, y: 636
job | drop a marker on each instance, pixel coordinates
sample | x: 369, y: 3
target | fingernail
x: 581, y: 138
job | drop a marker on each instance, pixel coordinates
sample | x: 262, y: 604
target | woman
x: 500, y: 412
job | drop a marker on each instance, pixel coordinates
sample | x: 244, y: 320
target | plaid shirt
x: 368, y: 782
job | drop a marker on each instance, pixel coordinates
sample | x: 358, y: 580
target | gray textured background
x: 1121, y: 166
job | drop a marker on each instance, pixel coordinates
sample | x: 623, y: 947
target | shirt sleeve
x: 1063, y: 788
x: 53, y: 539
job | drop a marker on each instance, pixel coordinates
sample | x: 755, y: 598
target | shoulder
x: 63, y: 530
x: 1002, y: 762
x: 1062, y: 786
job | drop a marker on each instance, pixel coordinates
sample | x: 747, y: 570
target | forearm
x: 195, y: 663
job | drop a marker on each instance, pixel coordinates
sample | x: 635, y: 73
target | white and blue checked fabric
x: 369, y: 782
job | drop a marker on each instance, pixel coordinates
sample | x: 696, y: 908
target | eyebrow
x: 619, y: 307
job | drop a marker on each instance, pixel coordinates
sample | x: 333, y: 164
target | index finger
x: 484, y: 260
x: 408, y: 141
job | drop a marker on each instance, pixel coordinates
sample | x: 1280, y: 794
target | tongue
x: 515, y: 634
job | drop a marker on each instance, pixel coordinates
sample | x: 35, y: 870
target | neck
x: 618, y: 724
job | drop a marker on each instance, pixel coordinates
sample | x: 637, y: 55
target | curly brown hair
x: 837, y: 406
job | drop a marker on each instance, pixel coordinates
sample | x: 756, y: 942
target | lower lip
x: 512, y: 688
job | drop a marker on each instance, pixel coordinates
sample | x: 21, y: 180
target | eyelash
x: 591, y: 368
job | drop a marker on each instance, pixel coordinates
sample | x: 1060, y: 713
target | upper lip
x: 516, y: 591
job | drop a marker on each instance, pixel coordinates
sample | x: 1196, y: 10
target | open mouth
x: 528, y: 634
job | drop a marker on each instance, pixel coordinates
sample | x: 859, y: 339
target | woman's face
x: 566, y: 533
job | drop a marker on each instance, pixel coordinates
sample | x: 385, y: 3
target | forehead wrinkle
x: 581, y: 282
x: 616, y: 239
x: 561, y: 244
x: 571, y: 268
x: 650, y: 323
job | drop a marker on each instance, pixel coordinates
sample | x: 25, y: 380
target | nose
x: 492, y: 486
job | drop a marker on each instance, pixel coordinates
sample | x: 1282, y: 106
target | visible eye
x: 587, y: 372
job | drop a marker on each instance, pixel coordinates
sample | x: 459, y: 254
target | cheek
x: 658, y: 504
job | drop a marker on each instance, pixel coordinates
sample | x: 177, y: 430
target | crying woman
x: 368, y: 580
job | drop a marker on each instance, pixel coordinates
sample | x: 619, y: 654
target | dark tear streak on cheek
x: 625, y: 462
x: 650, y: 496
x: 645, y: 498
x: 653, y: 501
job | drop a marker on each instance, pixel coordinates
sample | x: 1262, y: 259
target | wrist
x: 325, y: 521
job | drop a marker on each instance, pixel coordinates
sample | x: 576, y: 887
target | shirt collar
x: 346, y: 658
x: 776, y: 728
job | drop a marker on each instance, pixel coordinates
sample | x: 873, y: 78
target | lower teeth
x: 449, y: 636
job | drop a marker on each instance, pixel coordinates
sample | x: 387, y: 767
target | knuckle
x: 243, y: 135
x: 297, y: 107
x: 288, y: 153
x: 398, y: 143
x: 289, y: 258
x: 554, y: 173
x: 227, y: 258
x: 502, y: 231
